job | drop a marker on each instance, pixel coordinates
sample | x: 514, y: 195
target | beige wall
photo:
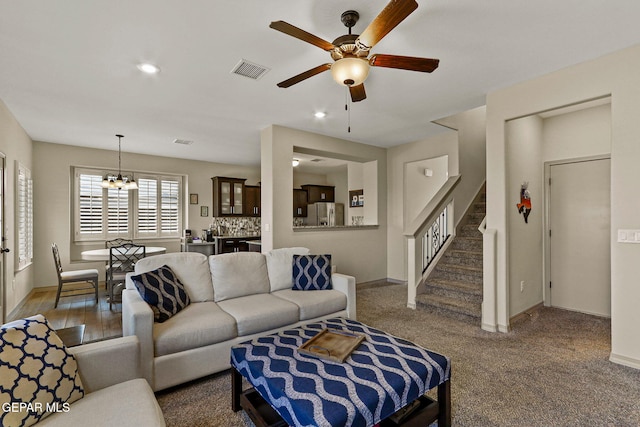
x: 465, y: 148
x: 616, y: 75
x: 524, y: 163
x: 352, y: 250
x: 444, y: 144
x: 52, y: 204
x: 16, y: 145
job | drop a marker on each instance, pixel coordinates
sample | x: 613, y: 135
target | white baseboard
x: 624, y: 360
x: 489, y: 328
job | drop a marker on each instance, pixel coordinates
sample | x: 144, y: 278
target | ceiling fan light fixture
x: 350, y: 71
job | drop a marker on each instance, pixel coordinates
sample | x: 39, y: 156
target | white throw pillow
x: 280, y: 266
x: 238, y: 274
x: 192, y: 268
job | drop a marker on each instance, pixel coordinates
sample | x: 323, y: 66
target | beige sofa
x: 234, y: 297
x: 115, y: 394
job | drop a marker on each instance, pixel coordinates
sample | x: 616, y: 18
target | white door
x: 580, y: 245
x: 3, y: 240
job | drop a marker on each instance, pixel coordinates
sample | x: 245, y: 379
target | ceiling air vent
x: 182, y: 141
x: 249, y: 69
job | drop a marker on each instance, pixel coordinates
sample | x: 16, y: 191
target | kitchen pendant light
x: 119, y: 181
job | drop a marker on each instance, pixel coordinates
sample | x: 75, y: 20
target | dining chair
x: 122, y: 260
x: 107, y: 245
x: 74, y: 276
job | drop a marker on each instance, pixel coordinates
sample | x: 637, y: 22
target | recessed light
x: 295, y: 162
x: 320, y: 114
x: 148, y: 68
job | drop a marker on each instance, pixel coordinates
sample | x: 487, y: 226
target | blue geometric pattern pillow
x: 311, y: 272
x: 163, y: 291
x: 38, y: 376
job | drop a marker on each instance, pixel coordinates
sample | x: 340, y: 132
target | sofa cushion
x: 314, y: 304
x: 279, y: 266
x: 238, y: 274
x: 311, y: 272
x: 258, y: 313
x: 191, y: 268
x: 199, y: 325
x: 131, y: 403
x: 163, y: 291
x: 37, y: 369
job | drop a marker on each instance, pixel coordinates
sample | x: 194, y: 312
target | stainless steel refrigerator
x: 325, y: 214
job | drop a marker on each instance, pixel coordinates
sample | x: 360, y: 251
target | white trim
x: 624, y: 360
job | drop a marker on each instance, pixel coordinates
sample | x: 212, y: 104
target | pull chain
x: 347, y: 107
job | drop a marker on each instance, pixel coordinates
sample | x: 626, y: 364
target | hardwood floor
x: 75, y: 310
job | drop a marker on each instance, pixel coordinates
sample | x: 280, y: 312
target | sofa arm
x: 346, y: 285
x: 137, y: 319
x: 106, y: 363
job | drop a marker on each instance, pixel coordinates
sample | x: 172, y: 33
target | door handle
x: 5, y: 250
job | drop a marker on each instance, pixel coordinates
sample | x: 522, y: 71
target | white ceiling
x: 68, y: 67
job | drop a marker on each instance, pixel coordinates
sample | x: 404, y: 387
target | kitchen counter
x: 334, y: 228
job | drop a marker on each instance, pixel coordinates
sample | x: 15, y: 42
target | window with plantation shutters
x: 24, y: 216
x: 154, y: 210
x: 147, y: 206
x: 169, y: 207
x: 90, y: 205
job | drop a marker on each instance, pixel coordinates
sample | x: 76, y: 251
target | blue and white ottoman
x: 380, y: 377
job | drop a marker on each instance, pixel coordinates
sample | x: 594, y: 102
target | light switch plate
x: 628, y: 236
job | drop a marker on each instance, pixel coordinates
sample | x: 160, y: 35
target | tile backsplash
x: 239, y: 225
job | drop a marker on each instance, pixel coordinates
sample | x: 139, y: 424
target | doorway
x: 3, y: 240
x: 579, y: 235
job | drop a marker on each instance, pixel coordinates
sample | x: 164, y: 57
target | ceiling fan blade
x: 303, y: 76
x: 296, y: 32
x: 425, y: 65
x: 357, y: 92
x: 394, y: 13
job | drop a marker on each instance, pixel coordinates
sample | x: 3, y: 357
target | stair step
x: 467, y: 243
x: 457, y: 308
x: 464, y: 258
x: 470, y: 230
x: 454, y: 287
x: 480, y: 207
x: 458, y: 273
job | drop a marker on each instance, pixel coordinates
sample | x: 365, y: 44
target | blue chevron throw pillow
x: 38, y: 376
x: 163, y: 291
x: 311, y: 272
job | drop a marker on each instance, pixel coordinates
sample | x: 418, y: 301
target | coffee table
x: 382, y: 376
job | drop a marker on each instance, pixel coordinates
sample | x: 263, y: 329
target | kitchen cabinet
x: 234, y: 244
x: 299, y: 203
x: 252, y: 200
x: 228, y: 196
x: 319, y: 193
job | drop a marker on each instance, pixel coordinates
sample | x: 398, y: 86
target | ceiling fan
x: 350, y: 52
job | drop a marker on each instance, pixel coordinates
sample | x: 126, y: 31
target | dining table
x: 103, y: 254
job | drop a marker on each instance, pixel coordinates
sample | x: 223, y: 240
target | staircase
x: 454, y: 287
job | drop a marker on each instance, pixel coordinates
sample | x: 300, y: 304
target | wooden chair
x: 122, y: 260
x: 107, y: 245
x: 75, y: 276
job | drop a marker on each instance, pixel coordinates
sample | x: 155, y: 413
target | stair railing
x: 428, y: 234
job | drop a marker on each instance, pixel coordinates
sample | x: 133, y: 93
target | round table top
x: 103, y: 254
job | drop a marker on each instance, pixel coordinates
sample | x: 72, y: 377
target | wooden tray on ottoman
x: 332, y: 344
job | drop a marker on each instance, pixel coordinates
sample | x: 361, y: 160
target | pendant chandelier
x: 119, y: 181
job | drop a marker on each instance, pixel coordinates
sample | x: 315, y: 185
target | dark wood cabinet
x: 319, y: 193
x: 299, y: 203
x: 228, y: 196
x: 235, y: 244
x: 252, y: 200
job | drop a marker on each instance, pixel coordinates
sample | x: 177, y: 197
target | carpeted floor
x: 551, y: 370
